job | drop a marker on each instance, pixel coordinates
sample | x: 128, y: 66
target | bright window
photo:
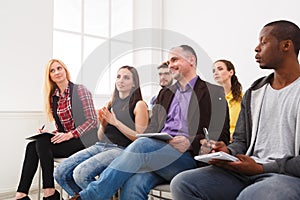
x: 83, y: 26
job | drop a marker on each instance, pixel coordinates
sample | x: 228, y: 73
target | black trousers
x: 45, y: 151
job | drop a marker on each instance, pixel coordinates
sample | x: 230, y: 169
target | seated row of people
x: 182, y: 110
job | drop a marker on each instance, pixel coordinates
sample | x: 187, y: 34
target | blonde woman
x: 71, y: 107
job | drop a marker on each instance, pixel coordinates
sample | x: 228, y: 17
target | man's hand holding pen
x: 207, y: 146
x: 210, y: 146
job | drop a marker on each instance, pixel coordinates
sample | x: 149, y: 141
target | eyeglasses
x: 165, y: 73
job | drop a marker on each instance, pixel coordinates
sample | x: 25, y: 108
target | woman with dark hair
x: 224, y: 74
x: 124, y: 116
x: 71, y: 107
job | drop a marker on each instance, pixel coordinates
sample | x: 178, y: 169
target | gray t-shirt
x: 276, y: 131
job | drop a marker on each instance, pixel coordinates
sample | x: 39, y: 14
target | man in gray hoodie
x: 267, y: 136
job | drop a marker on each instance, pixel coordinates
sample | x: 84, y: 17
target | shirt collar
x: 229, y: 96
x: 65, y: 93
x: 188, y: 86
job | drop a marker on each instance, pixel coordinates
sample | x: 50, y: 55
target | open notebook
x: 217, y: 155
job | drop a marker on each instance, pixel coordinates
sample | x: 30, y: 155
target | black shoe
x: 55, y: 196
x: 24, y: 198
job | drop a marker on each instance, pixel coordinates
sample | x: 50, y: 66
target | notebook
x: 39, y: 135
x: 217, y: 155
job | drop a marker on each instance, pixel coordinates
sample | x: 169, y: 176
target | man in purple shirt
x: 182, y: 110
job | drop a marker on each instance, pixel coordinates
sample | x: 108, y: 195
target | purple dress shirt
x: 177, y: 123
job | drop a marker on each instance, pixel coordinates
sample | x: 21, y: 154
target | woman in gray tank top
x: 124, y: 116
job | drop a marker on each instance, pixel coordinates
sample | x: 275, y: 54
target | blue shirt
x: 177, y: 119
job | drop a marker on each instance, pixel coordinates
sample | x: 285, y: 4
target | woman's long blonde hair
x: 50, y: 86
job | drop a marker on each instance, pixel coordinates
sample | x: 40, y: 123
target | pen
x: 206, y: 134
x: 43, y: 127
x: 207, y: 138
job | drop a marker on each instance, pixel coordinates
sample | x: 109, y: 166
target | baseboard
x: 6, y: 195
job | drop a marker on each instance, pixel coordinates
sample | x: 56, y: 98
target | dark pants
x: 43, y: 150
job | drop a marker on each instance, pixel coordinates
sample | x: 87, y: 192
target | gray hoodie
x: 243, y: 140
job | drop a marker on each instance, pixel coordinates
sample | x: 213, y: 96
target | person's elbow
x: 93, y: 122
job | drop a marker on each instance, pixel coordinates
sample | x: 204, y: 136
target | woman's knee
x: 43, y: 145
x: 77, y: 174
x: 81, y: 174
x: 59, y: 173
x: 31, y: 147
x: 63, y: 171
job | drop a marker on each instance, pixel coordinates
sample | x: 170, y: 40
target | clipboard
x: 39, y: 135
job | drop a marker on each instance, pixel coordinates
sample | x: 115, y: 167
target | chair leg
x: 39, y: 181
x: 61, y: 193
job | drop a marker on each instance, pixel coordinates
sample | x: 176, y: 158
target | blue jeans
x: 213, y: 183
x: 77, y: 171
x: 139, y: 185
x: 142, y: 165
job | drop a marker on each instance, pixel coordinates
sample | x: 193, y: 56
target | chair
x: 161, y: 192
x: 56, y: 163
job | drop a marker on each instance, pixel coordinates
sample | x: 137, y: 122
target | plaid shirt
x: 64, y: 111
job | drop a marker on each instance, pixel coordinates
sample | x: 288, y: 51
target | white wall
x: 25, y: 48
x: 15, y: 126
x: 228, y: 29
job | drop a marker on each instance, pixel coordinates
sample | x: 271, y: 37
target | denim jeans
x: 133, y: 170
x: 213, y: 183
x: 77, y: 171
x: 143, y: 183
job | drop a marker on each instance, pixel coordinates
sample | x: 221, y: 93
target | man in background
x: 165, y: 80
